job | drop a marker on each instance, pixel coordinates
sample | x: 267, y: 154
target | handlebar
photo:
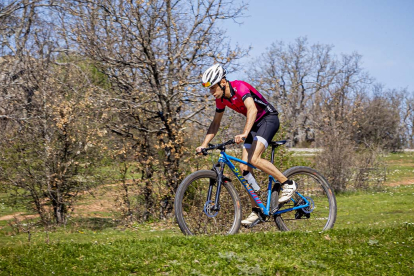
x: 222, y: 146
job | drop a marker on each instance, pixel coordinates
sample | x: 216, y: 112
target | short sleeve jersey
x: 240, y: 91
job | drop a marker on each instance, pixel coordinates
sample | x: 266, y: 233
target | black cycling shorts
x: 263, y: 130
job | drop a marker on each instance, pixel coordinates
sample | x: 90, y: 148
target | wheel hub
x: 309, y: 209
x: 209, y: 209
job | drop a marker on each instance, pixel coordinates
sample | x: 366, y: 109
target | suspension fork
x: 219, y: 169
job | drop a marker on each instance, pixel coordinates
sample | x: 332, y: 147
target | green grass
x: 388, y: 251
x: 376, y: 209
x: 95, y: 230
x: 373, y: 235
x: 400, y: 167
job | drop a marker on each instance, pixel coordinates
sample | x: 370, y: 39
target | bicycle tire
x: 310, y: 183
x: 190, y: 200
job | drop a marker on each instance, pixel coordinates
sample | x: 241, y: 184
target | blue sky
x: 382, y: 31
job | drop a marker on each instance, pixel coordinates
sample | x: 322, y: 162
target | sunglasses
x: 206, y: 84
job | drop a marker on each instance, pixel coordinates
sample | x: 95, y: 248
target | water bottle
x: 250, y: 179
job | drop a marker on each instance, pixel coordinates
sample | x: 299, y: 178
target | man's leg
x: 255, y: 158
x: 245, y: 157
x: 254, y: 215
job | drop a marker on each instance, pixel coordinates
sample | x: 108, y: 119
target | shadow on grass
x: 96, y: 223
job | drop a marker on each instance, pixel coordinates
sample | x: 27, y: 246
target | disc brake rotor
x: 209, y: 209
x: 309, y: 208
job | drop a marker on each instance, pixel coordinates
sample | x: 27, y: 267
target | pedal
x: 257, y: 221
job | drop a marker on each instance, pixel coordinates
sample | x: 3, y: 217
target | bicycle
x: 202, y: 206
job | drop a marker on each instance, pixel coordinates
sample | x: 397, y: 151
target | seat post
x: 275, y: 144
x: 272, y: 158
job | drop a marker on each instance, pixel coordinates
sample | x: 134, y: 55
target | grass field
x: 373, y: 235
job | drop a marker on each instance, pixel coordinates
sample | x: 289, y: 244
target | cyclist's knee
x: 254, y: 160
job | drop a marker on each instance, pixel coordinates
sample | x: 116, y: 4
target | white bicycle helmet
x: 213, y: 75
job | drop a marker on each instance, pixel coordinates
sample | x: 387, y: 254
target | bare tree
x: 153, y: 52
x: 408, y: 118
x: 300, y: 79
x: 50, y: 139
x: 380, y: 123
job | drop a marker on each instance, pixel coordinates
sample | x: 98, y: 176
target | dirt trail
x: 398, y: 183
x: 19, y: 216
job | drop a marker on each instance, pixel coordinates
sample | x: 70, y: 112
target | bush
x: 349, y: 168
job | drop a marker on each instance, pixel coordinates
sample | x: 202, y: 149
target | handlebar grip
x: 203, y: 151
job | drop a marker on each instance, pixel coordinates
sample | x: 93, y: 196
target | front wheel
x: 196, y: 216
x: 320, y: 215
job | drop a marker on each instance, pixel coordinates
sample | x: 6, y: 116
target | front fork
x: 219, y: 169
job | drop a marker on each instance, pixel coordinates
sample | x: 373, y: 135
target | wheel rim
x: 196, y: 220
x: 319, y: 218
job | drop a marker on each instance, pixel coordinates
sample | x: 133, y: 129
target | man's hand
x: 198, y: 150
x: 240, y: 138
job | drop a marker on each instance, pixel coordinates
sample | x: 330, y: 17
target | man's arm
x: 250, y: 118
x: 212, y: 130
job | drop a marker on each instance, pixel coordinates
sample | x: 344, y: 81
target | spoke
x: 197, y: 220
x: 310, y: 187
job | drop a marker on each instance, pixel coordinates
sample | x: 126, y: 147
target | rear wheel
x: 320, y: 215
x: 196, y: 216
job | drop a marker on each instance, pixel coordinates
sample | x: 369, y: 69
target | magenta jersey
x: 240, y: 91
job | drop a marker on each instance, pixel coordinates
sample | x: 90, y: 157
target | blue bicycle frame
x: 226, y: 159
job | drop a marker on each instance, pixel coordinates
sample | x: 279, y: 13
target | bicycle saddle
x: 278, y: 143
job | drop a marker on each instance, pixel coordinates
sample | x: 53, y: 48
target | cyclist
x: 262, y: 123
